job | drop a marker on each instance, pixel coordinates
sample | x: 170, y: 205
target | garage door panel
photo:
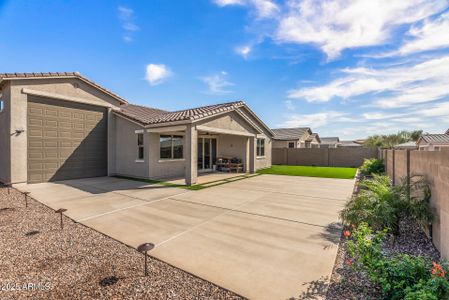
x: 65, y: 125
x: 64, y: 114
x: 65, y: 140
x: 35, y: 144
x: 35, y: 132
x: 52, y: 124
x: 51, y: 112
x: 50, y: 133
x: 35, y: 122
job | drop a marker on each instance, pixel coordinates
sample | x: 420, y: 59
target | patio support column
x: 191, y: 154
x: 252, y: 154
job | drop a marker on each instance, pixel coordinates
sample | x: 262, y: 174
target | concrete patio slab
x: 257, y: 257
x: 309, y: 210
x: 155, y: 222
x: 221, y: 196
x: 305, y: 186
x: 264, y: 237
x: 86, y: 207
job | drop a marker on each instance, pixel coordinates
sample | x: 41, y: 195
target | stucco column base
x: 191, y: 151
x: 252, y: 154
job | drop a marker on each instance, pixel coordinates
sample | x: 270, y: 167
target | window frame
x: 173, y: 146
x: 140, y: 146
x: 260, y: 147
x: 291, y: 144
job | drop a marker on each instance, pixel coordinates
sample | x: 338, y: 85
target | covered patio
x: 184, y: 144
x: 209, y: 154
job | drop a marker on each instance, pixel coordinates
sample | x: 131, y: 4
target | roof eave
x: 80, y: 77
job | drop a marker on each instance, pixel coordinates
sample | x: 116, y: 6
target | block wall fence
x: 322, y: 157
x: 434, y: 165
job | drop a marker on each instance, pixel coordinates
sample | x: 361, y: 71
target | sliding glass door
x: 207, y: 153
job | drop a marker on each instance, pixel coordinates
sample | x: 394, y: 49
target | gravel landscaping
x: 44, y: 262
x: 347, y: 283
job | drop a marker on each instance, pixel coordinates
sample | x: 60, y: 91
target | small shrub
x: 372, y: 166
x: 382, y: 205
x: 401, y: 276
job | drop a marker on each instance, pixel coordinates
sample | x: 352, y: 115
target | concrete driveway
x: 265, y: 237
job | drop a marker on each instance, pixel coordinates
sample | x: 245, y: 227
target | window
x: 171, y: 146
x: 291, y: 145
x: 2, y: 104
x: 260, y: 147
x: 140, y: 152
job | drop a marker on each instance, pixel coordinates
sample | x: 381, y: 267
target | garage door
x: 66, y: 140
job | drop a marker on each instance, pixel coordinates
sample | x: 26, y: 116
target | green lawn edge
x: 309, y: 171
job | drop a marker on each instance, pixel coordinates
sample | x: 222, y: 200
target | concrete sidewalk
x: 265, y: 237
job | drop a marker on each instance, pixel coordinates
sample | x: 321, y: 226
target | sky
x: 347, y: 68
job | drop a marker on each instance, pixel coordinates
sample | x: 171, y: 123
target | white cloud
x: 217, y: 84
x: 403, y: 85
x: 430, y: 35
x: 157, y: 73
x: 336, y: 25
x: 126, y: 17
x: 263, y: 8
x: 243, y: 51
x: 314, y: 120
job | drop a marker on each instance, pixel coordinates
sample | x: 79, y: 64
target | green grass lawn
x: 326, y: 172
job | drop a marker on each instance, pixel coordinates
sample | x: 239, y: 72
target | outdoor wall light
x: 20, y: 130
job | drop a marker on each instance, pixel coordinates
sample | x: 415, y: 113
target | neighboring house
x: 329, y: 142
x: 433, y: 142
x: 301, y: 137
x: 406, y: 146
x: 57, y: 126
x: 348, y: 144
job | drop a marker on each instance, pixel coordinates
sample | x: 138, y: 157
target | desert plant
x: 372, y: 166
x: 401, y: 276
x: 382, y: 205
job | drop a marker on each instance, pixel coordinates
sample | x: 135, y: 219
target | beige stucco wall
x: 126, y: 149
x: 234, y: 121
x: 229, y: 121
x: 160, y: 169
x: 265, y: 161
x: 434, y: 166
x: 233, y: 146
x: 18, y: 112
x: 284, y: 144
x: 5, y: 134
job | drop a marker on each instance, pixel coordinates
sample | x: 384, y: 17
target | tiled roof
x: 285, y: 134
x: 447, y: 132
x: 9, y: 76
x: 329, y: 140
x: 410, y: 144
x: 147, y: 116
x: 436, y: 139
x: 348, y: 144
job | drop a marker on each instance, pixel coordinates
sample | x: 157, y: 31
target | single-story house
x: 301, y: 137
x: 406, y: 146
x: 433, y: 142
x: 58, y: 126
x: 329, y: 142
